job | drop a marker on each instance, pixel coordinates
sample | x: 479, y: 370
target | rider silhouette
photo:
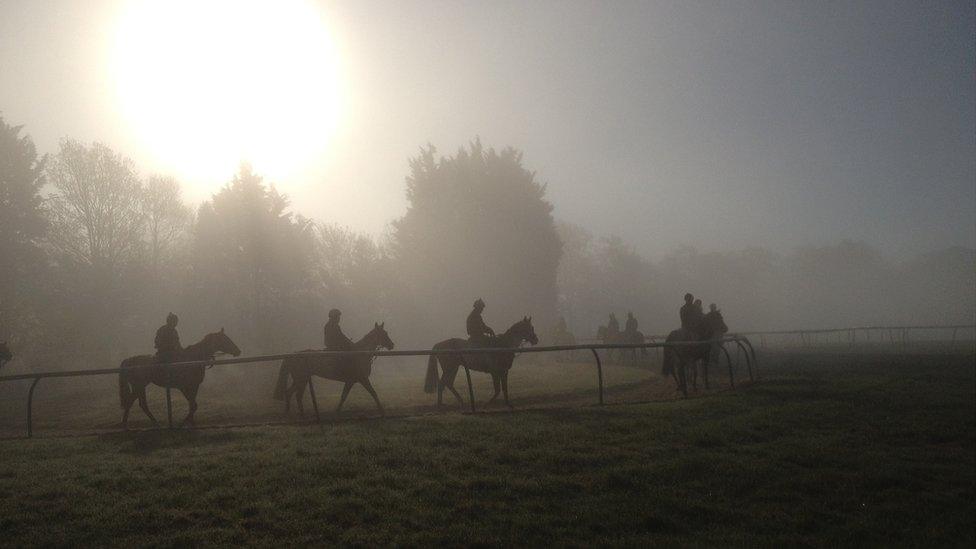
x: 167, y: 342
x: 691, y: 316
x: 332, y: 334
x: 631, y: 324
x: 479, y: 333
x: 613, y: 326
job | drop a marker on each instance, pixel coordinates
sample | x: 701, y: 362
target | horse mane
x: 198, y: 347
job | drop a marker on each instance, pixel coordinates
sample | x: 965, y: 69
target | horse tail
x: 279, y: 392
x: 125, y: 392
x: 430, y: 382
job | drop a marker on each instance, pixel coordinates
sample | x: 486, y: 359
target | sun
x: 205, y: 85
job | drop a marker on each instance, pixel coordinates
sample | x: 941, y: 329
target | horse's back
x: 137, y: 360
x: 452, y: 343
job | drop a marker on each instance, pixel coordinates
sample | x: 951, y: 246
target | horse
x: 348, y: 369
x: 497, y: 365
x: 5, y: 354
x: 611, y: 336
x: 186, y: 378
x: 677, y: 357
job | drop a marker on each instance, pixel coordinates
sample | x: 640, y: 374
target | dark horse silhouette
x: 497, y: 365
x: 5, y: 354
x: 133, y: 381
x: 350, y: 370
x: 677, y: 357
x: 609, y: 336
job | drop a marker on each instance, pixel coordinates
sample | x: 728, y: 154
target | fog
x: 799, y: 165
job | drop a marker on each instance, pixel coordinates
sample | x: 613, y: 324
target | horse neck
x: 366, y: 343
x: 509, y: 339
x: 198, y: 351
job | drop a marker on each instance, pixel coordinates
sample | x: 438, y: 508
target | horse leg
x: 289, y: 391
x: 299, y: 388
x: 497, y: 382
x: 705, y: 370
x: 142, y: 404
x: 128, y: 405
x: 504, y: 377
x: 191, y: 398
x: 448, y: 381
x: 682, y: 381
x: 345, y: 392
x: 372, y: 393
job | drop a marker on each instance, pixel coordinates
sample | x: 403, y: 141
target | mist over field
x: 794, y: 165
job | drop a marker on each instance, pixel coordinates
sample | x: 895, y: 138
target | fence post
x: 467, y: 373
x: 748, y: 360
x: 30, y: 407
x: 169, y: 396
x: 728, y: 360
x: 599, y: 372
x: 315, y: 401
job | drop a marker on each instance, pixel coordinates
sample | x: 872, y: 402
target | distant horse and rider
x: 139, y: 371
x: 480, y: 336
x: 349, y: 369
x: 695, y: 326
x: 611, y: 334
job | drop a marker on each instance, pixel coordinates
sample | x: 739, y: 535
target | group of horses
x: 186, y: 375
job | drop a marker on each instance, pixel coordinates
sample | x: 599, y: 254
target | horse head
x: 523, y: 331
x: 219, y: 342
x: 379, y: 338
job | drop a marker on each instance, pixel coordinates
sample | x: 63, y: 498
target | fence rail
x: 896, y: 334
x: 740, y: 341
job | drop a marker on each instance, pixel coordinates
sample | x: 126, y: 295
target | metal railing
x: 740, y: 341
x: 896, y: 334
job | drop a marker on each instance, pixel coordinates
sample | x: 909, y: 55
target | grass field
x: 828, y: 448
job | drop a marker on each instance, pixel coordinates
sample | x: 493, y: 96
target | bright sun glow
x: 208, y: 84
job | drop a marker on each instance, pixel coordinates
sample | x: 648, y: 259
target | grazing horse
x: 133, y: 381
x: 497, y: 365
x: 348, y: 369
x: 677, y: 357
x: 5, y: 354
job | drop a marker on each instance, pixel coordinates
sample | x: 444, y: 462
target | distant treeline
x: 93, y: 255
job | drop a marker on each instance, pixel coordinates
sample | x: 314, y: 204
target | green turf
x: 825, y: 450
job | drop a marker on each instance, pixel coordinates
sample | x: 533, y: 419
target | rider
x: 332, y: 334
x: 167, y: 343
x: 631, y: 325
x: 479, y: 333
x: 713, y: 314
x: 691, y: 315
x: 613, y: 326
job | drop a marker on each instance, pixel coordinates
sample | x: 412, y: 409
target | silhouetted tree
x: 477, y: 225
x: 251, y: 263
x: 22, y: 227
x: 166, y: 217
x: 96, y: 210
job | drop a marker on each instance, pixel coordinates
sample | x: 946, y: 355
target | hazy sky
x: 714, y: 124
